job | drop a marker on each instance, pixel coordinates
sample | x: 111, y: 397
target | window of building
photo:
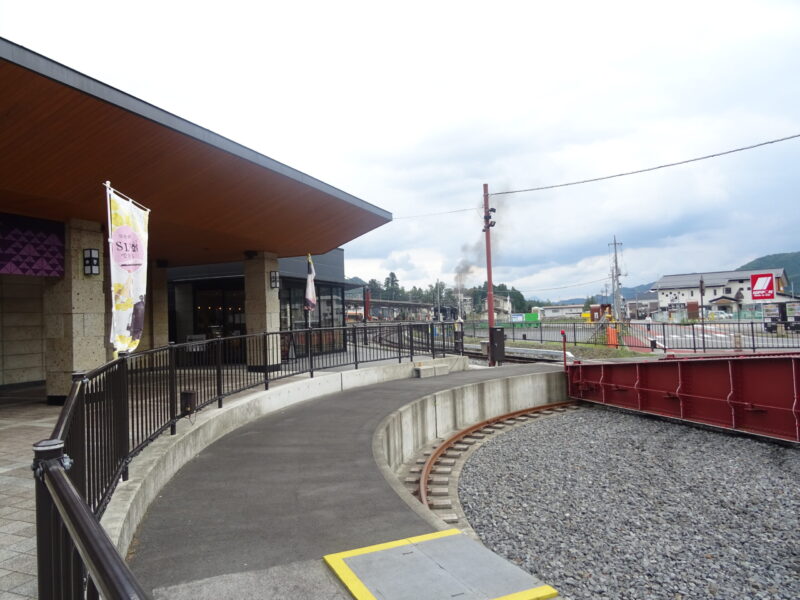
x: 727, y: 290
x: 329, y: 311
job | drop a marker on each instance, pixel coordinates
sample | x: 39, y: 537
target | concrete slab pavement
x: 283, y: 491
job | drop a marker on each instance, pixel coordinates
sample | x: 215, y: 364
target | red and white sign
x: 762, y: 286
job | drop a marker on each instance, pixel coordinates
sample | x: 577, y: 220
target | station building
x: 229, y: 227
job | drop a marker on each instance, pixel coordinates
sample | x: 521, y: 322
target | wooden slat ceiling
x: 58, y: 144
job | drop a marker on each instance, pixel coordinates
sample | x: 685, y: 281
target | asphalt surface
x: 283, y: 491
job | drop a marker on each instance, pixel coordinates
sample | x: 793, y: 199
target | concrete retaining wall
x: 157, y: 464
x: 408, y: 430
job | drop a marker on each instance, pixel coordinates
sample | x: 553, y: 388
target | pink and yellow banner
x: 127, y: 244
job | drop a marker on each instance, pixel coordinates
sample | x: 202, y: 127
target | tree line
x: 391, y: 289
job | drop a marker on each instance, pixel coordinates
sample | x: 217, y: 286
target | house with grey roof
x: 728, y: 291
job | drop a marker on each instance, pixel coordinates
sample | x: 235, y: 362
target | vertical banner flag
x: 127, y: 244
x: 311, y: 295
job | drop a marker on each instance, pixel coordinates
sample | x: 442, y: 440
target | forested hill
x: 790, y: 261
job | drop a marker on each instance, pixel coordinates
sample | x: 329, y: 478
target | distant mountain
x: 790, y: 261
x: 628, y: 293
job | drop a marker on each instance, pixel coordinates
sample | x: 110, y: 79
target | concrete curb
x: 407, y: 431
x: 158, y: 463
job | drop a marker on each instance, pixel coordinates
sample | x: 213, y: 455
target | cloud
x: 516, y: 95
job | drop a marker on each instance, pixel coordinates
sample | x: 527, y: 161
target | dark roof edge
x: 41, y: 65
x: 721, y: 272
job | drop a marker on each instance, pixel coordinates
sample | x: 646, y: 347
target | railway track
x: 434, y: 477
x: 511, y: 359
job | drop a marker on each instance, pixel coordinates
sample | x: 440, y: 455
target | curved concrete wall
x: 407, y: 431
x: 157, y: 464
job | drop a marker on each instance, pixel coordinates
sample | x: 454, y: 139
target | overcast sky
x: 412, y: 106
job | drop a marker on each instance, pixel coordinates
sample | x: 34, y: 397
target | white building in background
x: 727, y: 291
x: 561, y: 311
x: 466, y: 305
x: 502, y: 308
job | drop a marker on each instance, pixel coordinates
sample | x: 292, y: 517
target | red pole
x: 487, y: 218
x: 564, y: 347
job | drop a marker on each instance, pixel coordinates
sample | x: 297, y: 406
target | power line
x: 664, y: 166
x: 446, y: 212
x: 564, y: 287
x: 605, y: 177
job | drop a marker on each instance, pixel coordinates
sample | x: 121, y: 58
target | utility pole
x: 615, y: 287
x: 438, y: 300
x: 488, y: 223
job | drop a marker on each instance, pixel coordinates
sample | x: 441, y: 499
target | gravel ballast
x: 605, y: 504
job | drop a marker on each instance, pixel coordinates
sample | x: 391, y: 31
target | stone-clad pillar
x: 156, y: 316
x: 261, y: 306
x: 74, y: 311
x: 159, y: 303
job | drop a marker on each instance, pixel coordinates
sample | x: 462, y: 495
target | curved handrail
x: 65, y: 416
x: 115, y: 410
x: 107, y: 568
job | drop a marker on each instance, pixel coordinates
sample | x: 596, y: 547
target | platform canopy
x: 64, y: 134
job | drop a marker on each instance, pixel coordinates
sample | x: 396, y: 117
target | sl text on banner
x: 127, y: 241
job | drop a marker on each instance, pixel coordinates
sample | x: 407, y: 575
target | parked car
x: 719, y: 314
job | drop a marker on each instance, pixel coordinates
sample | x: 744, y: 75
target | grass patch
x: 581, y: 351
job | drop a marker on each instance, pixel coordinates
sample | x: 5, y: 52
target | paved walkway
x: 25, y: 418
x: 253, y: 514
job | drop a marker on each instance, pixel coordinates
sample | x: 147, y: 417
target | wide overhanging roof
x: 64, y: 134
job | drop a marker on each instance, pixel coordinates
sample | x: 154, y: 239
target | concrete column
x: 74, y: 311
x: 261, y: 303
x: 156, y: 315
x: 261, y: 307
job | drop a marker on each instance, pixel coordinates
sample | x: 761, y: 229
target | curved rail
x: 449, y: 442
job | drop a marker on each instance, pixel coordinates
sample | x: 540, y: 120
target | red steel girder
x: 758, y: 394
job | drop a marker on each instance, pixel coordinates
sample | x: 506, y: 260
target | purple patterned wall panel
x: 31, y: 246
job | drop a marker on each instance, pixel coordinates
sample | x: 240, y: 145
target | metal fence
x: 693, y: 337
x: 116, y: 410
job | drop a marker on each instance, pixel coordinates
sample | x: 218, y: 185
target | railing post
x: 400, y: 342
x: 664, y: 336
x: 265, y: 350
x: 310, y: 352
x: 574, y: 334
x: 694, y: 341
x: 218, y: 352
x: 753, y: 335
x: 172, y: 355
x: 355, y: 345
x: 77, y: 435
x: 431, y: 341
x: 48, y: 564
x: 411, y: 343
x: 122, y: 415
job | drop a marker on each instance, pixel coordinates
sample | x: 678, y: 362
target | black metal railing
x: 116, y: 410
x: 690, y: 337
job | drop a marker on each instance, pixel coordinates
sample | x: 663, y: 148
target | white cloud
x: 414, y: 106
